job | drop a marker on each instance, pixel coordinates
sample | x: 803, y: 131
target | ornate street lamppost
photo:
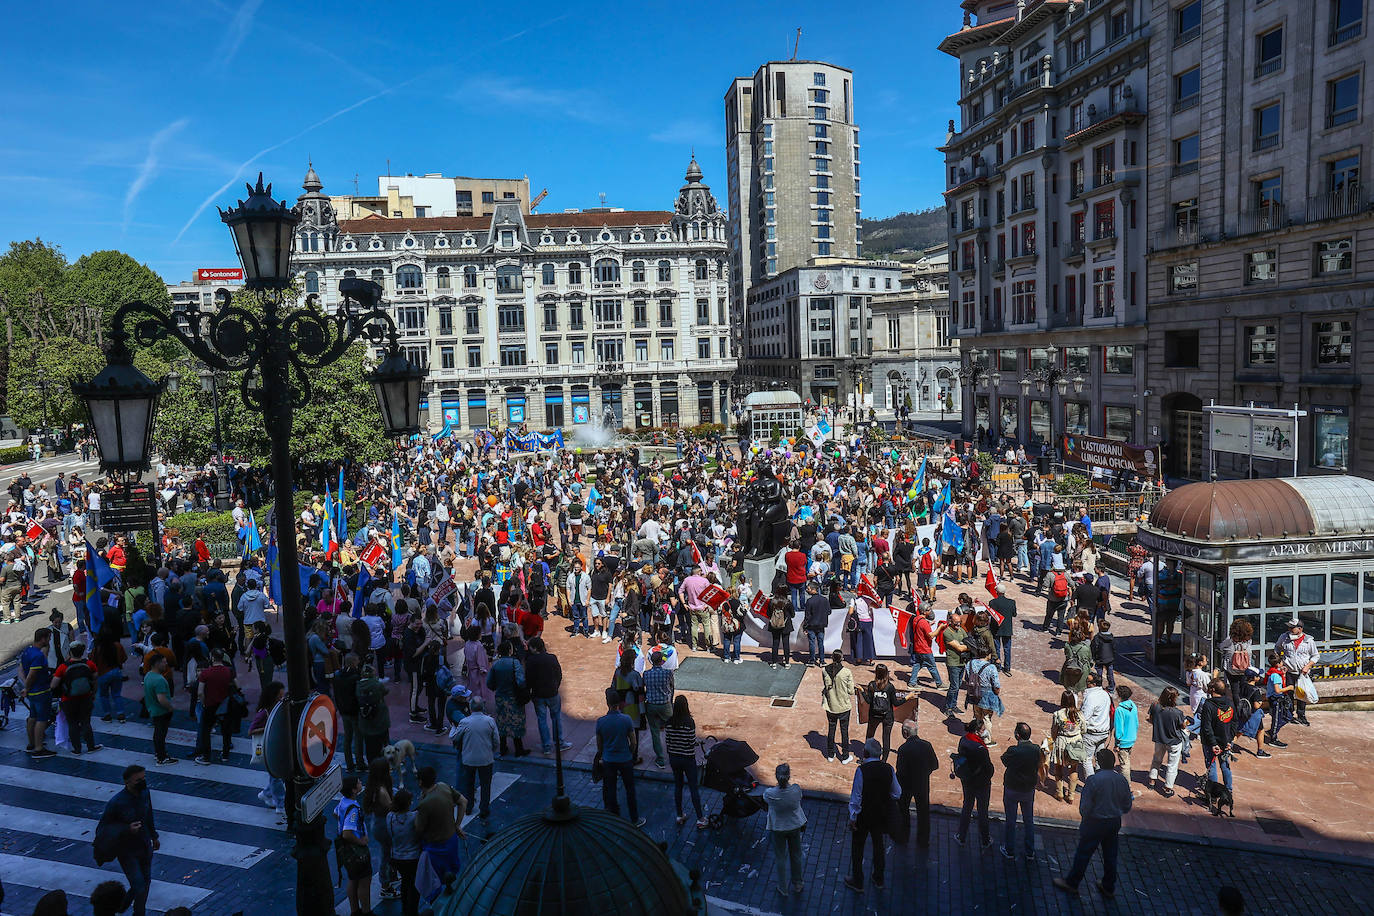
x: 273, y: 349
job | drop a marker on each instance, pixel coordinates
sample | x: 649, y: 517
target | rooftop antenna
x: 602, y: 195
x: 797, y: 44
x: 355, y: 184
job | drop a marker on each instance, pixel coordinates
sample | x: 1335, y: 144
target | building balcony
x: 1025, y: 203
x: 1267, y: 218
x: 1350, y: 201
x: 1103, y: 237
x: 992, y: 325
x: 1022, y: 259
x: 1074, y: 249
x: 999, y: 267
x: 1189, y: 233
x: 1099, y: 121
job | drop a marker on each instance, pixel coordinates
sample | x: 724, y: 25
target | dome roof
x: 1267, y: 509
x: 312, y: 180
x: 693, y: 170
x: 571, y: 860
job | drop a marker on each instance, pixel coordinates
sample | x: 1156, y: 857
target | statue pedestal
x: 760, y: 573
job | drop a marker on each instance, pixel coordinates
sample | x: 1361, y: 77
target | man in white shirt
x: 1097, y: 722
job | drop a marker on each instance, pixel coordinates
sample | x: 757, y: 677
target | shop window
x: 1246, y: 593
x: 1331, y: 440
x: 1278, y: 591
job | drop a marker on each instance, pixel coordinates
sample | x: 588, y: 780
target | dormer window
x: 605, y: 236
x: 507, y: 238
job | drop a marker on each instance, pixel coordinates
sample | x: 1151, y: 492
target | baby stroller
x: 727, y: 771
x: 10, y: 694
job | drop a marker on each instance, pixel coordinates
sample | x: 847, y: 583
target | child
x: 1125, y: 725
x: 1249, y: 700
x: 1196, y: 679
x: 1104, y: 653
x: 1280, y: 697
x: 405, y: 850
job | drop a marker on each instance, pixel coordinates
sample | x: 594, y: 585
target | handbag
x: 598, y: 768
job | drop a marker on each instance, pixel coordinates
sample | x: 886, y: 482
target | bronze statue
x: 763, y: 522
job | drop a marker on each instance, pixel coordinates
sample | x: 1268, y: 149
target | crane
x: 537, y: 198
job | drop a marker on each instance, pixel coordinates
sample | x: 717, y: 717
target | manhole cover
x: 782, y: 703
x: 1277, y: 826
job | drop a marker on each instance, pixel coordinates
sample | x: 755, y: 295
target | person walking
x: 1078, y: 661
x: 374, y: 719
x: 1106, y: 798
x: 614, y: 750
x: 544, y: 677
x: 1125, y: 726
x: 973, y: 768
x: 1002, y: 631
x: 157, y: 701
x: 127, y: 834
x: 815, y: 618
x: 477, y: 740
x: 217, y: 685
x: 1020, y: 775
x: 74, y: 684
x: 681, y: 733
x: 1167, y: 732
x: 916, y: 760
x: 786, y: 821
x: 837, y: 698
x: 874, y: 789
x: 1066, y: 746
x: 37, y: 676
x: 658, y: 705
x: 1219, y: 728
x: 346, y: 700
x: 882, y: 699
x: 507, y: 681
x: 922, y: 652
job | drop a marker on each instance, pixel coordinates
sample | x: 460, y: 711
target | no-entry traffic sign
x: 317, y: 736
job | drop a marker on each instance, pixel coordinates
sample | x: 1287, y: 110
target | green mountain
x: 904, y: 234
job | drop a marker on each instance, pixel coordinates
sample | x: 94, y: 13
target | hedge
x: 1070, y: 485
x: 15, y: 455
x: 218, y: 527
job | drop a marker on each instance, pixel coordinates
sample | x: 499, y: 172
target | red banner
x: 34, y: 531
x: 713, y: 596
x: 759, y: 605
x: 373, y: 554
x: 866, y: 590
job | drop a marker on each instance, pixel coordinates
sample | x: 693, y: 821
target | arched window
x: 469, y: 277
x: 665, y: 271
x: 636, y: 271
x: 509, y: 279
x: 607, y: 271
x: 409, y: 277
x: 377, y: 277
x: 574, y: 273
x: 312, y: 282
x: 703, y: 271
x: 350, y: 274
x: 547, y: 274
x: 442, y: 278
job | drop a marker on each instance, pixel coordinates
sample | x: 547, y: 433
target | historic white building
x: 547, y: 319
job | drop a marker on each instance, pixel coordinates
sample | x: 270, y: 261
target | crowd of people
x: 491, y: 546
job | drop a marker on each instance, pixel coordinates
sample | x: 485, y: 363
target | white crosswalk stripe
x: 49, y: 811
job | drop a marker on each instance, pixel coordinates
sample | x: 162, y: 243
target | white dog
x: 396, y: 756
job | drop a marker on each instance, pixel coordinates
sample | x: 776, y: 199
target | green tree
x: 105, y: 280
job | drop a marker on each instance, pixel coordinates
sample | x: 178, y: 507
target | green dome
x: 570, y: 861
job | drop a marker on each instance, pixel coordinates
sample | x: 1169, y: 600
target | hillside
x: 904, y: 233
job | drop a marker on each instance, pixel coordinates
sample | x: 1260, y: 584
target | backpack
x: 961, y: 767
x: 276, y: 649
x: 879, y: 703
x: 77, y: 680
x: 1244, y: 710
x: 443, y: 679
x: 1060, y: 587
x: 777, y: 615
x: 927, y: 563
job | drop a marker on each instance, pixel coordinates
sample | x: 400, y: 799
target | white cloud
x: 149, y: 168
x: 239, y: 27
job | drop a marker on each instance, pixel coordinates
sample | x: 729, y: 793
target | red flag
x: 713, y: 596
x: 696, y: 554
x: 759, y: 604
x: 902, y: 618
x: 866, y: 590
x: 991, y: 582
x: 34, y: 531
x: 939, y: 637
x: 373, y: 554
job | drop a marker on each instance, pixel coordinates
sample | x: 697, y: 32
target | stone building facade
x: 1261, y: 263
x: 915, y: 360
x: 1046, y: 186
x: 552, y: 320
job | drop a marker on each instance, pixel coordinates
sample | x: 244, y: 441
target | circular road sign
x: 317, y: 736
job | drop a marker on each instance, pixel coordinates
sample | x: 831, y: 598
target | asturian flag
x: 952, y: 532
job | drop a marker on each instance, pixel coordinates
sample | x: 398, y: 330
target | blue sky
x: 125, y: 129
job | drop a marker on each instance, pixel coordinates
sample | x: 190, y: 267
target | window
x: 1006, y: 360
x: 410, y: 318
x: 822, y: 148
x: 637, y: 272
x: 488, y: 197
x: 641, y: 313
x: 575, y: 316
x: 1076, y: 177
x: 574, y: 273
x: 446, y: 358
x: 1104, y: 292
x: 703, y: 270
x: 666, y: 350
x: 607, y: 311
x: 1118, y: 423
x: 474, y: 357
x: 1186, y: 218
x: 1181, y: 349
x: 641, y: 351
x: 1185, y: 154
x: 1261, y: 345
x: 409, y: 277
x: 822, y: 248
x: 469, y: 277
x: 1331, y: 343
x: 1183, y: 277
x: 818, y: 79
x: 665, y: 313
x: 1269, y: 52
x: 1118, y: 360
x: 550, y: 353
x: 703, y: 348
x: 1023, y: 302
x: 1027, y: 135
x: 509, y: 279
x: 1104, y: 165
x: 665, y: 271
x: 607, y: 270
x: 1268, y: 126
x: 550, y: 316
x: 1104, y: 220
x: 1331, y: 443
x: 703, y: 311
x: 579, y: 352
x: 1262, y: 266
x: 547, y: 275
x: 1334, y: 256
x: 510, y: 317
x: 1187, y: 88
x: 512, y: 354
x: 553, y: 407
x: 1343, y: 175
x: 1342, y: 100
x: 472, y: 319
x: 445, y: 320
x: 312, y: 282
x: 1347, y: 20
x: 442, y: 280
x: 1078, y: 50
x: 507, y: 238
